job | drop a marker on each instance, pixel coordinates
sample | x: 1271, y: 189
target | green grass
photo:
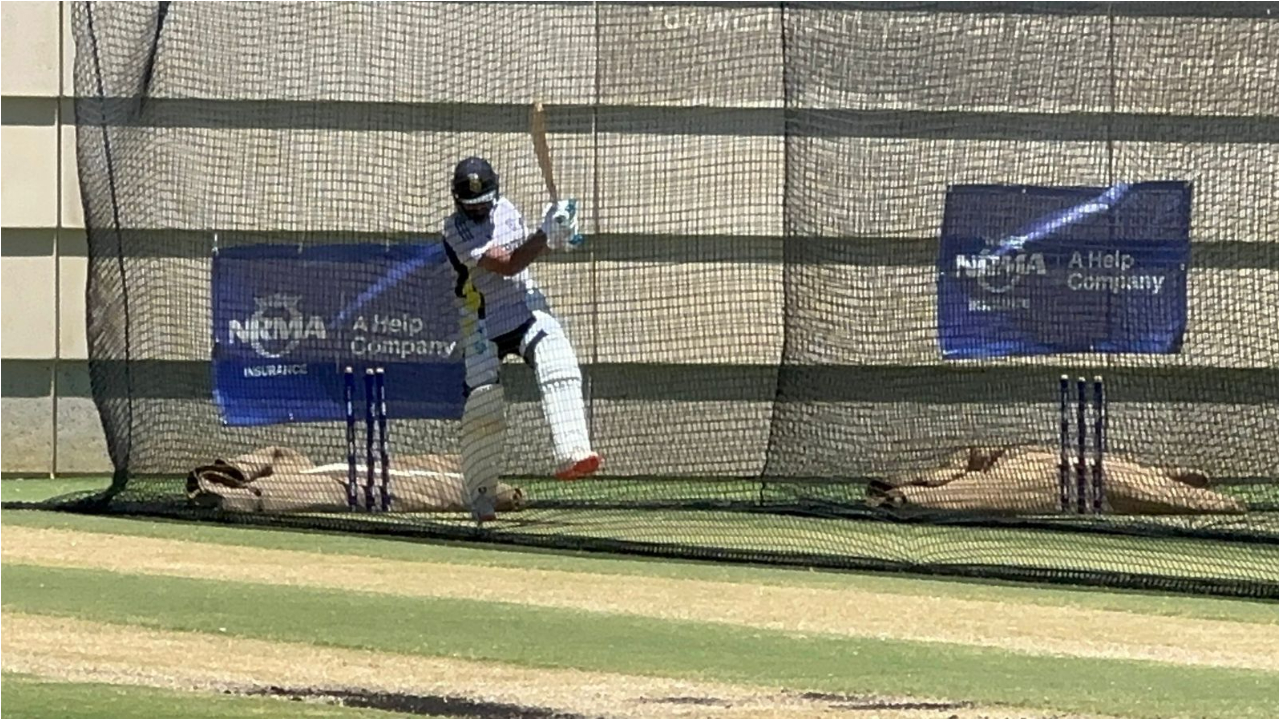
x: 924, y: 544
x: 38, y: 489
x: 479, y: 556
x: 546, y: 637
x: 33, y: 697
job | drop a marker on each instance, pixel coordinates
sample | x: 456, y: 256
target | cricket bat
x: 538, y: 130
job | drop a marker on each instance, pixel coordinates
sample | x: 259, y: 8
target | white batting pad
x: 560, y: 383
x: 483, y: 428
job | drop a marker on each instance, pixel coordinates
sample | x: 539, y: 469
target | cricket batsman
x: 502, y: 312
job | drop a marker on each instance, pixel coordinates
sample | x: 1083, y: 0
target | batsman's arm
x: 513, y: 262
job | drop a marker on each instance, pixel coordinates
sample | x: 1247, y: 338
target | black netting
x: 755, y: 309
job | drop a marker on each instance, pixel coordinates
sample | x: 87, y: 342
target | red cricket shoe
x: 583, y: 467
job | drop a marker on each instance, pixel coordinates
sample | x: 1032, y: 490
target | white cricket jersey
x: 508, y: 301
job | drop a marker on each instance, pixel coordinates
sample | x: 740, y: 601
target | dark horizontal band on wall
x: 1257, y: 10
x: 1254, y: 10
x: 700, y: 121
x: 849, y: 251
x: 681, y: 249
x: 30, y: 110
x: 650, y: 382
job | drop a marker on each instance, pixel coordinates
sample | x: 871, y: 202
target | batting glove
x: 560, y: 225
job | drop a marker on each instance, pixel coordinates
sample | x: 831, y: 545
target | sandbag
x: 1018, y: 480
x: 283, y: 480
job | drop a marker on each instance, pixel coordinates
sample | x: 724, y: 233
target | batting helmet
x: 474, y: 182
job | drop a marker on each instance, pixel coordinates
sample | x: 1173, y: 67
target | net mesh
x: 755, y: 308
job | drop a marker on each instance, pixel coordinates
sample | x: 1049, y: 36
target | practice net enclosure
x: 985, y: 289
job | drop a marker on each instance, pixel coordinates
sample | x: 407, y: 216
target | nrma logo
x: 999, y: 273
x: 276, y: 326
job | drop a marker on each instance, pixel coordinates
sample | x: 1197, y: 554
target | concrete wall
x: 686, y: 185
x: 49, y: 422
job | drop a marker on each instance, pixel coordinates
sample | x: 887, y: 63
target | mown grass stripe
x: 88, y: 651
x: 1030, y: 629
x: 543, y: 637
x: 35, y: 697
x: 528, y: 558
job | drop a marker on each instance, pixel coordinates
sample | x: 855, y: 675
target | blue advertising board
x: 287, y: 320
x: 1026, y: 270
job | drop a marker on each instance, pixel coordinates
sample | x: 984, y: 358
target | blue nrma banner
x: 1025, y: 270
x: 288, y: 320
